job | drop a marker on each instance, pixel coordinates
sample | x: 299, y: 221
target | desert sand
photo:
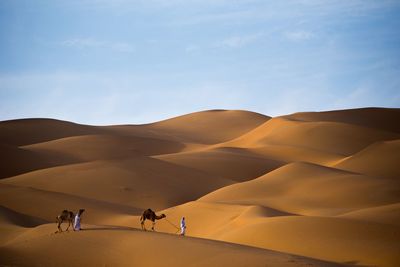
x: 305, y: 189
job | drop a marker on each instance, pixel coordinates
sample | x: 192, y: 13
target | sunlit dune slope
x: 386, y: 214
x: 380, y: 159
x: 339, y: 239
x: 332, y: 137
x: 207, y: 219
x: 292, y: 153
x: 311, y: 189
x: 209, y: 127
x: 118, y: 246
x: 334, y: 239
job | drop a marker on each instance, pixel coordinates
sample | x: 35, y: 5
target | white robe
x: 77, y: 223
x: 183, y: 226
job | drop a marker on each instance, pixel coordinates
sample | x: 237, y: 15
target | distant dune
x: 305, y: 189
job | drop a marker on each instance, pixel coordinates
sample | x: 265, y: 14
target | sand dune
x: 377, y: 118
x: 333, y: 239
x: 379, y: 159
x: 210, y: 127
x: 243, y: 165
x: 134, y: 182
x: 199, y: 128
x: 289, y: 153
x: 312, y: 236
x: 16, y: 160
x: 321, y: 185
x: 8, y: 216
x: 208, y: 219
x: 44, y: 143
x: 332, y: 137
x: 13, y: 223
x: 46, y: 205
x: 31, y: 131
x: 310, y: 189
x: 386, y: 214
x: 101, y: 147
x: 99, y: 246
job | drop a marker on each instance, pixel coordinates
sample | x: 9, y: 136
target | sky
x: 139, y: 61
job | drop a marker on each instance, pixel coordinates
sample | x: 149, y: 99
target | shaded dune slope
x: 134, y: 182
x: 43, y: 143
x: 243, y: 164
x: 378, y: 118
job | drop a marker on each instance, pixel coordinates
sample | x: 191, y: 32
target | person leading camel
x: 150, y: 215
x: 183, y: 226
x: 77, y: 221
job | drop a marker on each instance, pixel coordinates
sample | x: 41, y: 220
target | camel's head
x: 163, y: 215
x: 81, y: 211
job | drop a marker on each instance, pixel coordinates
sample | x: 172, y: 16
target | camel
x: 65, y: 216
x: 150, y: 215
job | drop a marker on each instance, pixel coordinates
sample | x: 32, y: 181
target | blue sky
x: 137, y: 61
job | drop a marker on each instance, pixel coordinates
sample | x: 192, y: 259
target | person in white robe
x: 77, y: 220
x: 183, y: 226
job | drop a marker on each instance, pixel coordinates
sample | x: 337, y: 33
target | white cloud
x: 300, y: 35
x: 239, y: 40
x: 82, y: 43
x: 87, y: 43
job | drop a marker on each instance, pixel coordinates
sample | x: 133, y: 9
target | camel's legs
x: 142, y: 224
x: 69, y: 223
x: 154, y: 223
x: 59, y: 225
